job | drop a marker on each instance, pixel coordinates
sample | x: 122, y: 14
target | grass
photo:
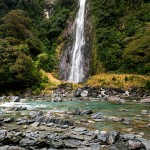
x: 52, y: 82
x: 124, y: 81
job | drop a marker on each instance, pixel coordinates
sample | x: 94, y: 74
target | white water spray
x: 77, y: 73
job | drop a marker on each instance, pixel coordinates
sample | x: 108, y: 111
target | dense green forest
x: 28, y: 40
x: 121, y: 36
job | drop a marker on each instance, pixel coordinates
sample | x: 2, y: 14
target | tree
x: 15, y: 24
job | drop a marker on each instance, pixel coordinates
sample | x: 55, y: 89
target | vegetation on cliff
x: 121, y: 36
x: 28, y: 40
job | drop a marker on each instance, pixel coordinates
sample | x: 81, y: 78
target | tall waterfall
x: 77, y: 73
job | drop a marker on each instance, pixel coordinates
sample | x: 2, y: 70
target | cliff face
x: 67, y: 50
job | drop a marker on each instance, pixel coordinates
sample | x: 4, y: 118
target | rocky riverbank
x: 43, y: 131
x: 22, y: 129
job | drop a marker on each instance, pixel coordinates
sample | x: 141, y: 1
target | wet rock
x: 113, y: 136
x: 8, y: 120
x: 65, y: 126
x: 115, y: 99
x: 57, y: 99
x: 3, y: 133
x: 84, y: 93
x: 116, y: 119
x: 127, y: 93
x: 86, y: 112
x: 113, y: 147
x: 20, y: 108
x: 128, y: 136
x: 121, y: 145
x: 145, y: 112
x: 57, y: 143
x: 146, y: 100
x: 76, y: 111
x: 59, y: 121
x: 102, y: 138
x: 80, y: 129
x: 7, y: 147
x: 42, y: 143
x: 21, y: 121
x: 95, y: 146
x: 64, y: 95
x: 104, y: 94
x: 72, y: 143
x: 50, y: 124
x: 78, y: 92
x: 15, y: 99
x: 30, y: 121
x: 97, y: 116
x: 144, y: 142
x: 2, y: 97
x: 133, y: 144
x: 25, y: 142
x: 35, y: 124
x: 40, y: 119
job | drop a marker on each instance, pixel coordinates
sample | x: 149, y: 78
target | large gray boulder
x: 84, y: 93
x: 115, y: 99
x: 15, y: 99
x: 78, y: 92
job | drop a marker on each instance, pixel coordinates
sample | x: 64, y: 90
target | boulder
x: 3, y: 133
x: 145, y: 112
x: 35, y: 124
x: 144, y: 142
x: 95, y: 146
x: 146, y: 100
x: 72, y: 143
x: 2, y: 97
x: 7, y: 147
x: 57, y: 99
x: 121, y: 145
x: 113, y: 136
x: 78, y: 92
x: 115, y: 99
x: 102, y: 138
x: 19, y: 108
x: 84, y: 93
x: 21, y: 121
x: 80, y: 129
x: 8, y: 120
x: 113, y: 147
x: 86, y: 112
x: 76, y: 111
x: 15, y: 99
x: 97, y: 116
x: 57, y: 143
x: 133, y: 144
x: 27, y: 142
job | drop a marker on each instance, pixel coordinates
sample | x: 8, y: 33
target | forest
x: 121, y: 36
x: 28, y: 40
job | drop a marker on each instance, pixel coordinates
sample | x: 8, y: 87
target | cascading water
x: 77, y: 72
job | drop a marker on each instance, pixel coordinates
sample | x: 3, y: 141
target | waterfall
x: 77, y: 72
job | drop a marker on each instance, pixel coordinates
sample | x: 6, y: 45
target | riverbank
x: 89, y: 118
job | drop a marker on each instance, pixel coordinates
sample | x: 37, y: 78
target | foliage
x: 28, y: 41
x: 120, y: 34
x: 124, y: 81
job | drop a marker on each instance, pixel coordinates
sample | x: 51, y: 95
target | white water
x: 77, y: 73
